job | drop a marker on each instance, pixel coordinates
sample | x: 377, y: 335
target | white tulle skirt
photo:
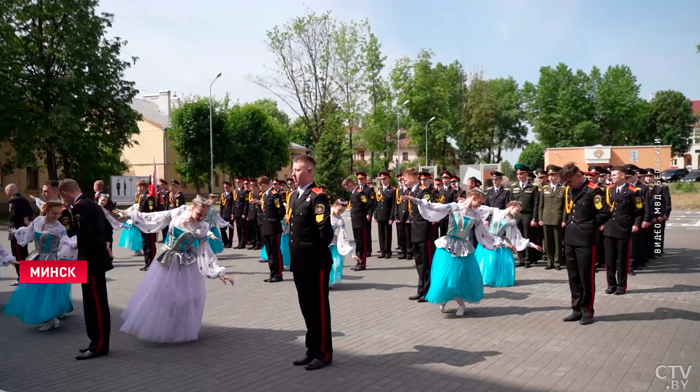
x: 168, y: 305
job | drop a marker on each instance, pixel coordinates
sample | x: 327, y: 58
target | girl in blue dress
x: 340, y: 247
x: 498, y: 265
x: 454, y: 273
x: 215, y: 221
x: 44, y: 303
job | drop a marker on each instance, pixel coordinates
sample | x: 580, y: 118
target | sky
x: 182, y: 45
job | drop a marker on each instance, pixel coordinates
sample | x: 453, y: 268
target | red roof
x: 696, y: 107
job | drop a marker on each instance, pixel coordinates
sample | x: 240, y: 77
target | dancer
x: 498, y: 265
x: 455, y: 273
x: 20, y: 213
x: 6, y: 257
x: 44, y: 303
x: 215, y: 222
x: 340, y: 247
x: 112, y: 224
x: 168, y: 305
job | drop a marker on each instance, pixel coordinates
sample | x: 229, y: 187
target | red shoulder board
x: 273, y: 191
x: 592, y: 185
x: 317, y: 191
x: 632, y: 188
x: 422, y: 187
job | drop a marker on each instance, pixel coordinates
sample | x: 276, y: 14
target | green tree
x: 533, y: 156
x: 510, y: 130
x: 331, y: 155
x: 479, y: 116
x: 271, y: 108
x: 62, y: 78
x: 305, y: 68
x: 264, y: 141
x: 671, y: 120
x: 190, y: 136
x: 561, y: 108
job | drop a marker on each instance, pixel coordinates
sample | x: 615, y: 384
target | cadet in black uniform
x: 402, y: 217
x: 146, y: 203
x: 446, y: 195
x: 497, y: 196
x: 20, y: 213
x: 526, y: 193
x: 585, y: 213
x: 255, y: 239
x: 660, y: 199
x: 89, y: 223
x: 384, y: 213
x: 639, y: 252
x: 310, y: 235
x: 274, y: 211
x: 164, y: 201
x: 360, y: 217
x: 421, y: 232
x: 626, y: 214
x: 175, y: 196
x: 240, y: 211
x: 368, y: 189
x: 399, y: 227
x: 226, y: 201
x: 595, y: 175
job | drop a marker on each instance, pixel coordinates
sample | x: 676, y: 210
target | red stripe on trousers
x: 279, y: 253
x: 627, y: 262
x: 323, y: 318
x: 592, y: 288
x: 96, y: 298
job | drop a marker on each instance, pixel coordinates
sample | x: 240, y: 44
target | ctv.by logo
x: 671, y: 374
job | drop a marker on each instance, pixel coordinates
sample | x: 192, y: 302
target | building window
x: 696, y: 136
x: 634, y: 156
x: 216, y: 179
x: 674, y: 162
x: 32, y: 178
x: 405, y: 156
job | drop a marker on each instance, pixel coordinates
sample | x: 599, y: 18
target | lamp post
x: 398, y: 136
x: 211, y: 134
x: 426, y: 140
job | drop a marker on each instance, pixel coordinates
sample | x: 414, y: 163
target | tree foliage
x: 190, y: 136
x: 671, y: 120
x: 62, y: 78
x: 331, y: 154
x: 533, y: 155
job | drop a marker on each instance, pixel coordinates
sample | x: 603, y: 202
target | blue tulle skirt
x: 497, y: 266
x: 131, y: 238
x: 37, y: 303
x: 217, y: 246
x: 284, y: 248
x: 454, y: 277
x: 337, y: 270
x: 263, y: 253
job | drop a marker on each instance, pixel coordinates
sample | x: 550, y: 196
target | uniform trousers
x: 385, y: 235
x: 241, y: 226
x: 149, y: 247
x: 423, y: 253
x: 361, y: 237
x: 19, y: 252
x: 96, y: 309
x: 274, y: 254
x: 554, y: 244
x: 227, y: 235
x: 580, y: 265
x: 312, y: 289
x: 617, y: 261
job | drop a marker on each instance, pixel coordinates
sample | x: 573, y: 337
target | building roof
x: 149, y: 111
x: 696, y: 107
x: 297, y: 146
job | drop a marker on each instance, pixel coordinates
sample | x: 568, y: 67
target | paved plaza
x: 513, y: 340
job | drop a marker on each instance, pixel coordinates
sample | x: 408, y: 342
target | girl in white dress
x: 340, y: 247
x: 168, y: 305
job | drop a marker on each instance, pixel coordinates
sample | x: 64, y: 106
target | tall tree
x: 561, y: 108
x: 533, y: 155
x: 378, y: 133
x: 190, y: 136
x: 672, y: 120
x: 62, y: 78
x: 271, y: 108
x: 349, y: 79
x: 264, y: 142
x: 510, y: 130
x: 618, y: 104
x: 331, y: 153
x: 479, y: 115
x: 305, y: 67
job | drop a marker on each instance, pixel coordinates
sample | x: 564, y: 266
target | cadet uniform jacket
x: 385, y: 204
x: 240, y: 203
x: 626, y: 210
x: 585, y: 212
x: 401, y: 210
x: 360, y: 206
x: 310, y: 231
x: 551, y: 205
x: 176, y: 200
x: 147, y: 203
x: 19, y: 209
x: 274, y: 211
x: 528, y: 196
x: 497, y: 199
x: 421, y: 229
x: 226, y: 206
x: 89, y: 223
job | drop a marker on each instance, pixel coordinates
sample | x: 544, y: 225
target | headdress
x: 199, y: 200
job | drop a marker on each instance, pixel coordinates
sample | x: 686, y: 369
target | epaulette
x: 489, y: 188
x: 422, y: 187
x: 632, y: 188
x: 273, y: 191
x: 317, y: 191
x: 592, y: 185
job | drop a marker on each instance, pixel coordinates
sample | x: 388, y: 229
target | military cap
x: 384, y: 175
x: 227, y: 183
x: 553, y: 169
x: 650, y: 171
x: 446, y: 174
x: 212, y: 195
x: 477, y: 182
x: 540, y: 173
x: 175, y: 182
x: 425, y: 175
x: 531, y: 175
x: 238, y: 179
x: 454, y: 179
x: 632, y: 167
x: 520, y: 168
x: 162, y: 181
x: 496, y: 174
x: 400, y: 175
x: 642, y: 172
x: 594, y: 170
x: 361, y: 175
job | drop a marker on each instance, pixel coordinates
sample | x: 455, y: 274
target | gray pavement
x: 513, y: 340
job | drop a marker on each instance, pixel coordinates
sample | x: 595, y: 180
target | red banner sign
x: 54, y: 271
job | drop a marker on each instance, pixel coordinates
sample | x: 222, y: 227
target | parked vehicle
x: 673, y: 175
x: 693, y: 176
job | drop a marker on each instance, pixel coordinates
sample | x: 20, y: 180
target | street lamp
x: 426, y: 140
x: 398, y: 136
x: 211, y: 134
